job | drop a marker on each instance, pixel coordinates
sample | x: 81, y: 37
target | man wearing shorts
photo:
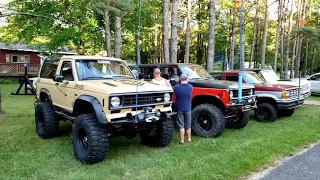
x: 183, y: 94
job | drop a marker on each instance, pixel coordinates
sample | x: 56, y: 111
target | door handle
x: 64, y: 82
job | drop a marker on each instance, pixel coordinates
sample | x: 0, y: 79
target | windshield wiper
x: 120, y: 76
x: 97, y: 77
x: 196, y: 78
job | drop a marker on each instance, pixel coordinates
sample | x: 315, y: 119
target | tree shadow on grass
x: 65, y: 129
x: 315, y: 94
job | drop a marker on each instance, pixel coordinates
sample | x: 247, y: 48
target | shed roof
x: 28, y: 48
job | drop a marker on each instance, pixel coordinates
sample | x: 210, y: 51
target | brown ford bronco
x: 99, y: 95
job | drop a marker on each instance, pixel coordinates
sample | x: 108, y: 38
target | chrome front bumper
x: 245, y: 104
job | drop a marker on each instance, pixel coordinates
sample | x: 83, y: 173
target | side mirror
x: 58, y: 78
x: 173, y: 82
x: 308, y: 79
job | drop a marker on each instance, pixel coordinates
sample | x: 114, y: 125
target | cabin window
x: 49, y: 68
x: 18, y: 58
x: 231, y: 78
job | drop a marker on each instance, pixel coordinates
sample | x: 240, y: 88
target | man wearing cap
x: 183, y: 93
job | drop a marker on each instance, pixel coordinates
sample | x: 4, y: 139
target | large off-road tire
x: 46, y: 124
x: 207, y: 121
x: 286, y: 112
x: 158, y: 136
x: 240, y: 122
x: 90, y: 139
x: 266, y: 112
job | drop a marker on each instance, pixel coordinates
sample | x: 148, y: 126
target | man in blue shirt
x: 183, y: 94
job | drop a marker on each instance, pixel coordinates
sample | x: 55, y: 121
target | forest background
x: 282, y: 34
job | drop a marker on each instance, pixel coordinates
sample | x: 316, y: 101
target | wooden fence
x: 17, y: 69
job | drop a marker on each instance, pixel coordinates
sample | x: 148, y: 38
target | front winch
x: 149, y: 115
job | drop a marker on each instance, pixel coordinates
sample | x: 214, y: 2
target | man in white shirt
x: 157, y: 79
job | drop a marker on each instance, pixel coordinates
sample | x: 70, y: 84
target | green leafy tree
x: 68, y: 24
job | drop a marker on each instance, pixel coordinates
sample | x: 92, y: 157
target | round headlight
x: 115, y: 101
x: 166, y: 97
x: 231, y: 94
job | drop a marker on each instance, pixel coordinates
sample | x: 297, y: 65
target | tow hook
x: 153, y: 132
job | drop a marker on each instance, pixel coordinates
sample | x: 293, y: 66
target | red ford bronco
x: 272, y: 99
x: 214, y: 102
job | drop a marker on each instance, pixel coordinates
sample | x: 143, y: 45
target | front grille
x: 143, y: 99
x: 245, y: 92
x: 294, y: 94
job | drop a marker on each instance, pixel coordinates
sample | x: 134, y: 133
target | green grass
x: 234, y: 155
x: 313, y: 98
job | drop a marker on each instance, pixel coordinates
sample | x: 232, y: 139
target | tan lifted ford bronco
x: 98, y: 94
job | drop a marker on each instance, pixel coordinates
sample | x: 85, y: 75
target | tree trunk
x: 265, y: 34
x: 306, y: 60
x: 297, y: 67
x: 298, y: 55
x: 295, y: 45
x: 294, y: 49
x: 165, y: 35
x: 107, y: 32
x: 225, y: 64
x: 313, y: 60
x: 242, y: 43
x: 174, y: 32
x: 232, y: 45
x: 212, y: 22
x: 282, y: 48
x: 254, y: 34
x: 277, y: 36
x: 188, y: 33
x: 286, y: 64
x: 156, y: 46
x: 117, y: 42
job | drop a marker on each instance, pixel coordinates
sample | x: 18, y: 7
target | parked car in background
x: 272, y: 99
x: 315, y: 82
x: 214, y: 102
x: 33, y: 82
x: 271, y: 77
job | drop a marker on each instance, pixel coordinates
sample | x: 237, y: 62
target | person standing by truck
x: 183, y: 93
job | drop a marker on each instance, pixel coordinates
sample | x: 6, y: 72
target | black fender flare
x: 96, y: 106
x: 46, y: 91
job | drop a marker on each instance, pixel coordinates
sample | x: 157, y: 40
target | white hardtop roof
x: 91, y: 57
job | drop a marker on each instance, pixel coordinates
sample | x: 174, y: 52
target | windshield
x: 269, y: 75
x: 195, y: 72
x: 252, y: 78
x: 102, y: 69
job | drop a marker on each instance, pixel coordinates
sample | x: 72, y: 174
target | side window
x: 168, y: 72
x: 49, y: 69
x: 315, y: 78
x: 66, y: 70
x: 231, y: 78
x: 146, y: 73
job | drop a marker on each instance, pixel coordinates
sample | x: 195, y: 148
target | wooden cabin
x: 13, y: 57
